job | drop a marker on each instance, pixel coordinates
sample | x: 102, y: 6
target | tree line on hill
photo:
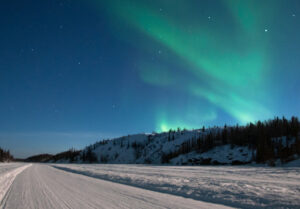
x: 70, y: 155
x: 270, y: 140
x: 5, y: 155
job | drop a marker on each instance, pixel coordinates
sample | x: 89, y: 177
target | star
x: 79, y: 63
x: 159, y: 51
x: 293, y: 15
x: 209, y: 17
x: 266, y: 30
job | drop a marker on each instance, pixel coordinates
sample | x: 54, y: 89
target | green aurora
x: 230, y: 69
x: 227, y: 66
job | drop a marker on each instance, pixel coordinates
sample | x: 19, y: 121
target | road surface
x: 42, y: 186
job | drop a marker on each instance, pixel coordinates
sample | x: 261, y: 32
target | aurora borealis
x: 100, y: 69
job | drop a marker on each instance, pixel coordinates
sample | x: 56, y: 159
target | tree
x: 90, y: 155
x: 5, y: 155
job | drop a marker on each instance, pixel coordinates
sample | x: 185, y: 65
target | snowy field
x: 235, y: 186
x: 138, y: 186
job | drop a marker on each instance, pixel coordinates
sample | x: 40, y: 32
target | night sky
x: 74, y: 72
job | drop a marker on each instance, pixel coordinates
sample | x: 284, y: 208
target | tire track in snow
x: 42, y: 186
x: 7, y: 179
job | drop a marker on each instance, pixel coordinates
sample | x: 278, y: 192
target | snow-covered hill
x: 273, y: 142
x: 141, y: 148
x: 151, y: 149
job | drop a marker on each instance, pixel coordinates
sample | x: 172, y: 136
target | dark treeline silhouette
x: 39, y: 158
x: 270, y: 140
x: 89, y: 156
x: 69, y: 155
x: 5, y: 155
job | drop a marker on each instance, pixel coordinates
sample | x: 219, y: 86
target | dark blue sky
x: 74, y: 72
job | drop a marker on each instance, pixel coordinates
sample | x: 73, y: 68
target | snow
x: 221, y: 154
x: 150, y: 146
x: 294, y: 163
x: 120, y: 150
x: 285, y: 141
x: 141, y: 186
x: 120, y: 153
x: 42, y: 186
x: 235, y: 186
x: 8, y: 173
x: 153, y: 148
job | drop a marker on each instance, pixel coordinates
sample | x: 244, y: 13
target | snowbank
x: 8, y: 173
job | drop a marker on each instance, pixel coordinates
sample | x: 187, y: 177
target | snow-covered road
x: 42, y: 186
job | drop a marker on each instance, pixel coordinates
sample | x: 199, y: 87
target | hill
x: 274, y: 142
